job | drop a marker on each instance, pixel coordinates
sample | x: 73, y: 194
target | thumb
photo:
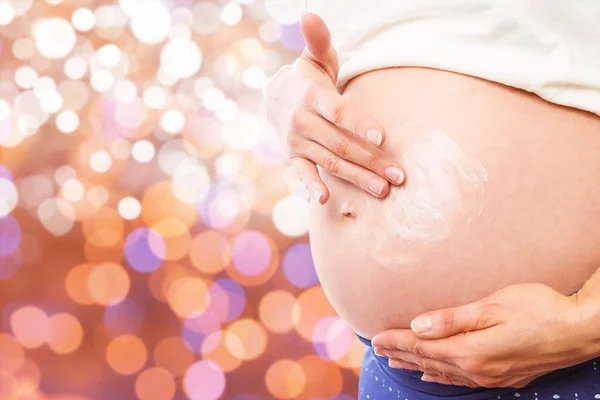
x: 319, y: 49
x: 450, y: 321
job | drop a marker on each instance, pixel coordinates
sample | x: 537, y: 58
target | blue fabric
x: 380, y: 382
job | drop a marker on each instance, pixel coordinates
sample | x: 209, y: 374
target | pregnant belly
x: 501, y: 188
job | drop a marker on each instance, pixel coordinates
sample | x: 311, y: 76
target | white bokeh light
x: 83, y: 19
x: 181, y: 58
x: 56, y: 215
x: 129, y: 208
x: 151, y: 23
x: 23, y: 48
x: 206, y: 17
x: 102, y: 80
x: 290, y: 216
x: 143, y: 151
x: 67, y: 121
x: 172, y: 121
x: 285, y: 11
x: 125, y: 91
x: 231, y: 14
x: 7, y: 13
x: 73, y: 190
x: 155, y: 97
x: 8, y: 197
x: 51, y: 101
x: 25, y: 77
x: 100, y: 161
x: 190, y: 181
x: 75, y: 68
x: 242, y: 132
x: 109, y: 55
x: 64, y: 173
x: 54, y: 37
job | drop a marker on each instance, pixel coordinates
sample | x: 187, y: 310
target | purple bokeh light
x: 10, y: 235
x: 145, y: 250
x: 201, y: 332
x: 124, y: 317
x: 291, y: 37
x: 298, y: 266
x: 251, y: 253
x: 226, y: 300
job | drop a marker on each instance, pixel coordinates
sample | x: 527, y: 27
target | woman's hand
x: 319, y: 127
x: 505, y: 340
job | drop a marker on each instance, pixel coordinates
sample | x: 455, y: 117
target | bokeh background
x: 153, y: 242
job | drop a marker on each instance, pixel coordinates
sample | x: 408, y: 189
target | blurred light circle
x: 177, y: 153
x: 285, y: 379
x: 83, y: 19
x: 254, y: 77
x: 51, y: 101
x: 332, y: 338
x: 100, y: 161
x: 73, y: 190
x: 120, y: 149
x: 44, y: 84
x: 75, y: 68
x: 12, y: 354
x: 109, y: 55
x: 110, y: 20
x: 124, y: 317
x: 75, y: 94
x: 173, y: 355
x: 187, y: 295
x: 8, y: 199
x: 126, y: 354
x: 176, y: 238
x: 64, y: 173
x: 204, y: 380
x: 310, y: 308
x: 155, y: 384
x: 97, y: 196
x: 354, y: 357
x: 145, y: 250
x: 102, y: 80
x: 229, y: 164
x: 155, y: 97
x: 226, y: 300
x: 9, y: 386
x: 160, y: 203
x: 246, y: 339
x: 299, y: 267
x: 249, y: 275
x: 7, y: 13
x: 25, y: 77
x: 291, y: 37
x: 172, y: 121
x: 57, y: 215
x: 222, y: 356
x: 201, y: 332
x: 290, y: 216
x: 269, y: 31
x: 180, y: 31
x: 21, y: 7
x: 241, y: 133
x: 28, y: 379
x: 131, y: 115
x: 285, y: 11
x: 104, y: 228
x: 108, y: 283
x: 206, y: 17
x: 213, y: 98
x: 66, y: 333
x: 181, y: 58
x: 231, y: 14
x: 143, y: 151
x: 323, y: 378
x: 251, y: 253
x: 210, y: 252
x: 76, y: 284
x: 276, y: 311
x: 54, y: 37
x: 30, y: 326
x: 67, y: 121
x: 223, y: 209
x: 125, y: 91
x: 129, y: 208
x: 150, y: 23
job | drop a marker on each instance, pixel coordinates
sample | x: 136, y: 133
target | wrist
x: 584, y: 321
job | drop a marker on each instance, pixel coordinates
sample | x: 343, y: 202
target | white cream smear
x: 443, y: 188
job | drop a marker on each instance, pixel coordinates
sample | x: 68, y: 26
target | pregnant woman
x: 458, y: 154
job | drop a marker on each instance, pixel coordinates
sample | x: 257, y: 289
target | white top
x: 548, y: 47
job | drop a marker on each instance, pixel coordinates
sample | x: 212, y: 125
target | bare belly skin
x: 501, y: 187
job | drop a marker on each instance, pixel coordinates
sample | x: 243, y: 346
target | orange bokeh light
x: 210, y: 252
x: 66, y: 333
x: 76, y: 284
x: 187, y: 295
x: 12, y: 354
x: 246, y: 339
x: 105, y: 228
x: 108, y: 283
x: 275, y: 311
x: 30, y: 326
x: 323, y: 379
x: 126, y: 354
x: 160, y: 203
x: 285, y: 379
x: 176, y: 236
x: 155, y: 384
x: 310, y: 308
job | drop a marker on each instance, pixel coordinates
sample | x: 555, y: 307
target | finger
x: 319, y: 49
x: 433, y: 378
x: 406, y: 341
x: 337, y: 166
x: 345, y: 145
x: 425, y: 363
x: 452, y: 321
x: 343, y: 113
x: 308, y: 174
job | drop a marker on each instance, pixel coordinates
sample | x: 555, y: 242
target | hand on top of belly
x: 319, y: 127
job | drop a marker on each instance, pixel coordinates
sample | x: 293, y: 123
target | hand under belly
x: 500, y: 189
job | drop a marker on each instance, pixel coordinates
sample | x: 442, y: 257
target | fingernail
x: 379, y: 352
x: 375, y: 136
x: 426, y: 378
x: 394, y: 174
x: 317, y: 194
x: 421, y: 324
x: 376, y: 186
